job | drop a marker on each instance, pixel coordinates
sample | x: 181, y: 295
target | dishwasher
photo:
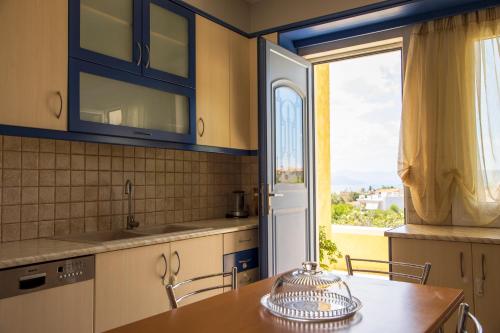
x: 56, y: 296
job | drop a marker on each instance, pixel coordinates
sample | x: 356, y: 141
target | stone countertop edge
x: 34, y: 251
x: 482, y: 235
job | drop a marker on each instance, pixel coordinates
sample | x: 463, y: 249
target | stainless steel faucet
x: 131, y: 222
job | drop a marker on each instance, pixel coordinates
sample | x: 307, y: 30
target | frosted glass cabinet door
x: 107, y: 32
x: 112, y: 102
x: 168, y: 35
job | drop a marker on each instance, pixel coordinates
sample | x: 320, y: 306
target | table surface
x: 388, y: 306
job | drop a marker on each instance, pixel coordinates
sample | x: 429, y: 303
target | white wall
x: 267, y: 14
x: 234, y: 12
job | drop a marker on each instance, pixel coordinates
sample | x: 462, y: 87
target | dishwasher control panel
x: 27, y: 279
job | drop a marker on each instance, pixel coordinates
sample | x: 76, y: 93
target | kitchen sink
x: 169, y: 229
x: 101, y: 236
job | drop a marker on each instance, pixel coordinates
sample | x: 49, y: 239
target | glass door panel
x: 113, y: 102
x: 169, y: 41
x: 106, y: 27
x: 289, y: 110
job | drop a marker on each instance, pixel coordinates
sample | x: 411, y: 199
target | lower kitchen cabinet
x: 454, y: 266
x: 129, y: 285
x: 196, y: 257
x: 486, y: 260
x: 68, y: 308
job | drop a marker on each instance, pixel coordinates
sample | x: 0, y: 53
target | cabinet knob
x: 201, y: 127
x: 58, y: 115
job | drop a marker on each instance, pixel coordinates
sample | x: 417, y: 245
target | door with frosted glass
x: 107, y: 32
x: 287, y: 229
x: 168, y: 36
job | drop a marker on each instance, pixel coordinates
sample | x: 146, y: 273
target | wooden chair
x: 463, y: 315
x: 422, y: 278
x: 174, y: 301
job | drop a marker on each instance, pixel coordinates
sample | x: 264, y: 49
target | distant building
x: 382, y: 199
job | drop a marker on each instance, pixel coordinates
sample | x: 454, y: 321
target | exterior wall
x: 56, y: 187
x: 322, y: 120
x: 361, y: 242
x: 234, y: 12
x: 273, y: 13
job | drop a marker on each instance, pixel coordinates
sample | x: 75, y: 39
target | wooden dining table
x: 388, y: 306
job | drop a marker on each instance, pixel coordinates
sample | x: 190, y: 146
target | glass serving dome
x: 311, y: 294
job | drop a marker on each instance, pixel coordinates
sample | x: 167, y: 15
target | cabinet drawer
x: 241, y: 240
x: 243, y: 260
x: 244, y: 278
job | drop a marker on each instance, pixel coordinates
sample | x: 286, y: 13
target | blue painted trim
x: 391, y: 24
x: 76, y: 51
x: 333, y: 16
x: 262, y: 101
x: 189, y: 16
x: 212, y: 18
x: 84, y: 137
x: 78, y: 125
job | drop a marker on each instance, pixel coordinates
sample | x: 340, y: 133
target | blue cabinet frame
x: 76, y: 51
x: 141, y: 39
x: 77, y: 125
x: 164, y: 76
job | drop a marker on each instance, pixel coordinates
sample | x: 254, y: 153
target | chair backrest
x: 463, y: 315
x: 421, y: 278
x: 174, y: 301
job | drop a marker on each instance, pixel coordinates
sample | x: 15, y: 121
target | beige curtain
x: 450, y: 131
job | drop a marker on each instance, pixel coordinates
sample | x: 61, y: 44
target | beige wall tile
x: 46, y: 194
x: 29, y: 230
x: 12, y: 143
x: 11, y: 232
x: 11, y: 160
x: 11, y: 177
x: 29, y: 195
x: 77, y: 148
x: 63, y: 147
x: 46, y: 228
x: 63, y: 161
x: 30, y: 144
x: 47, y: 145
x: 29, y: 213
x: 11, y: 214
x: 46, y: 212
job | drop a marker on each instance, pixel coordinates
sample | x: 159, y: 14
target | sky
x: 365, y: 106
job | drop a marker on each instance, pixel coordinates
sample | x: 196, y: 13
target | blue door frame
x: 78, y: 125
x: 160, y: 75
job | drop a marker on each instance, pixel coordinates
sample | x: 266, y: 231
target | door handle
x: 139, y: 58
x: 278, y: 195
x: 179, y: 262
x: 483, y: 274
x: 164, y: 275
x: 462, y: 265
x: 148, y: 51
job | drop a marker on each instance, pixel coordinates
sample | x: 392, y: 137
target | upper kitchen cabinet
x: 168, y: 36
x: 212, y: 83
x: 34, y: 63
x: 153, y: 38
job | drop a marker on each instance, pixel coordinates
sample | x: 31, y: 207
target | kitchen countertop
x: 446, y: 233
x: 34, y: 251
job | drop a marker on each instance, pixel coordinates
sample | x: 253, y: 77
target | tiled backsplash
x: 55, y: 187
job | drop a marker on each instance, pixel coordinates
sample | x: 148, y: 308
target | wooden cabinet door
x: 239, y: 92
x: 212, y: 83
x: 486, y: 260
x: 34, y: 63
x: 451, y: 265
x: 193, y: 258
x: 128, y: 285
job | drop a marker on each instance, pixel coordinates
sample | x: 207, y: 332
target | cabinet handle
x: 58, y: 115
x: 244, y: 240
x: 483, y: 259
x: 201, y: 127
x: 166, y: 266
x: 142, y: 133
x: 179, y: 261
x: 462, y: 265
x: 149, y: 56
x: 139, y: 60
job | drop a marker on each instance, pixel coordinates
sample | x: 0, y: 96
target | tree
x: 328, y: 250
